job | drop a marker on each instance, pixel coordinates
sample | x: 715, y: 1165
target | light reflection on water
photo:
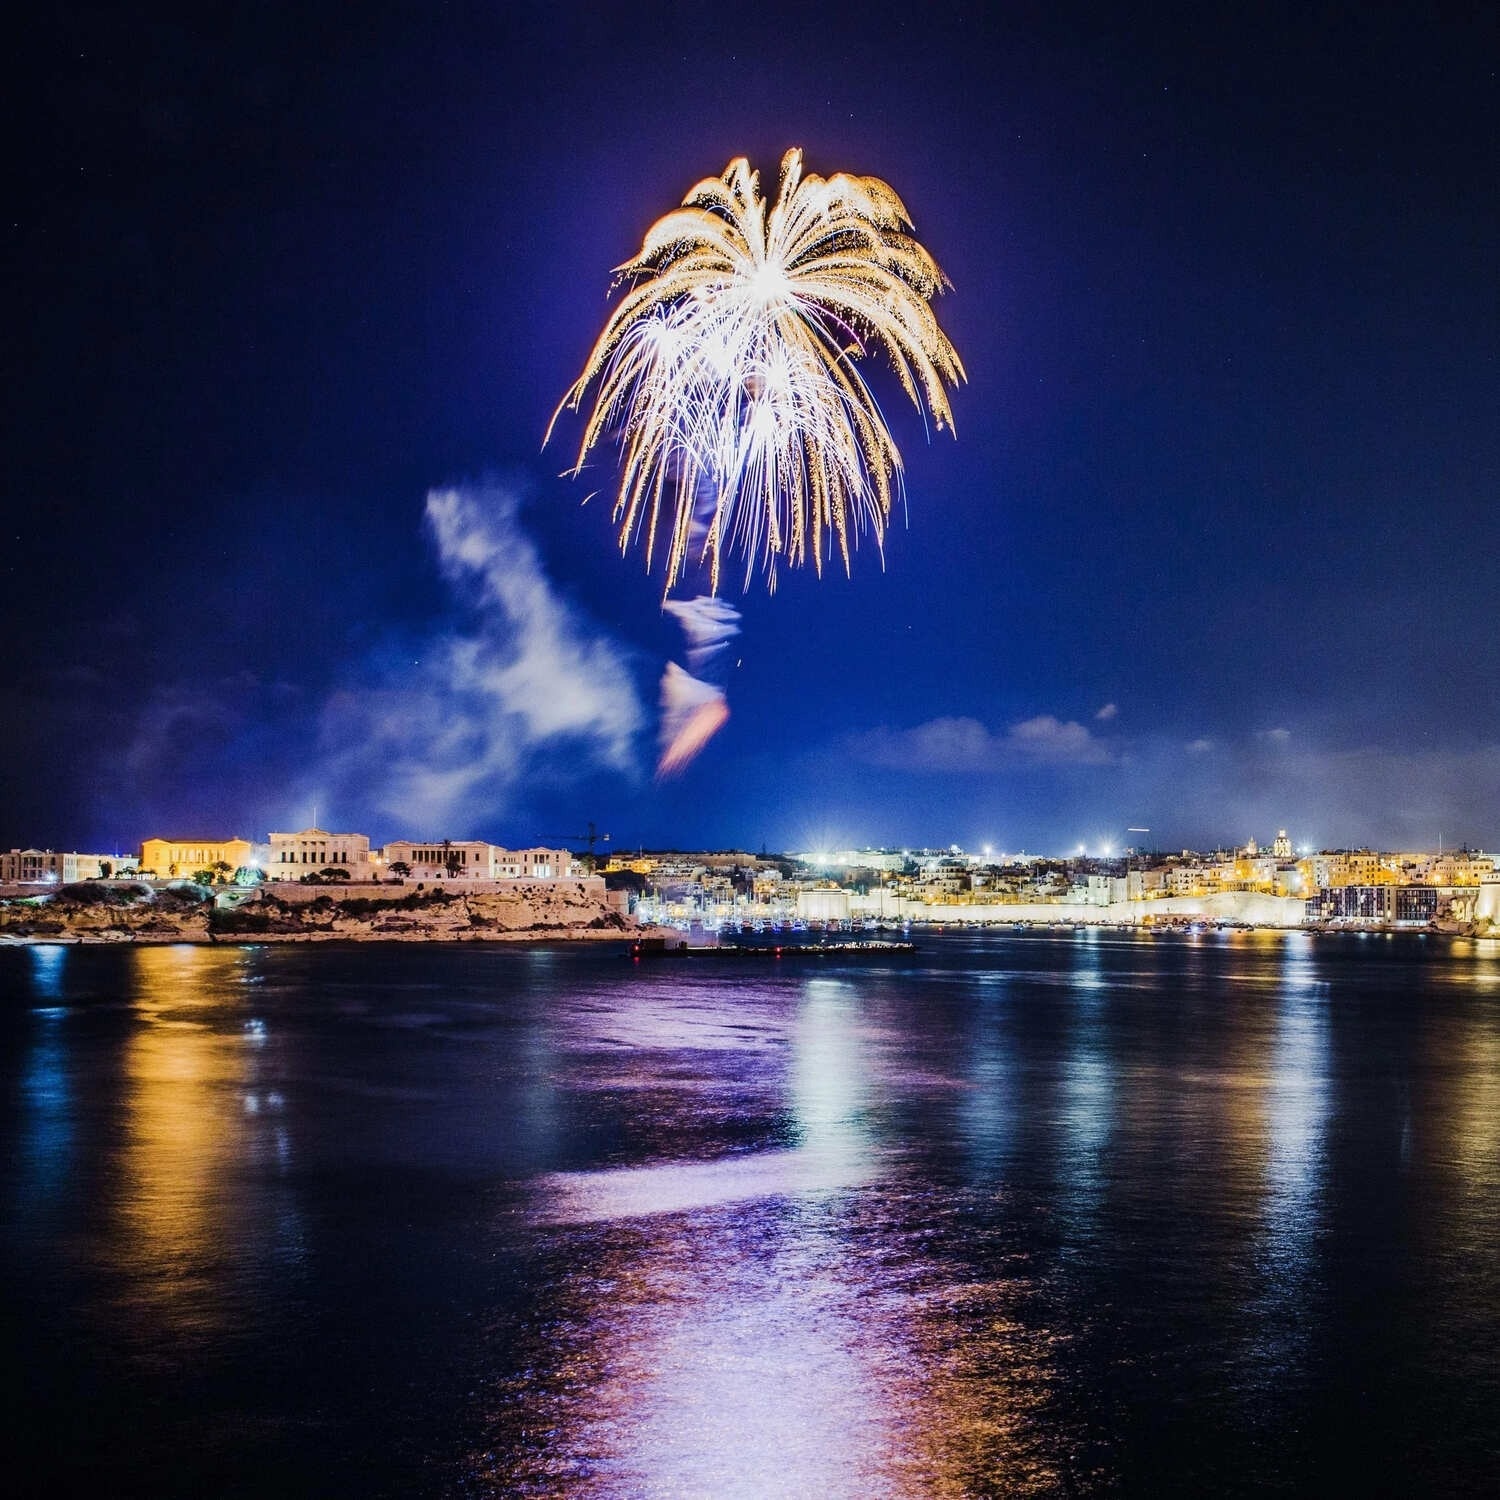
x: 768, y: 1326
x: 1294, y: 1099
x: 197, y: 1124
x: 1019, y: 1216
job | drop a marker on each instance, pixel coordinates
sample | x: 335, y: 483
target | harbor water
x: 1014, y: 1214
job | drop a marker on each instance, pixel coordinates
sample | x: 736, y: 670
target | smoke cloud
x: 441, y: 733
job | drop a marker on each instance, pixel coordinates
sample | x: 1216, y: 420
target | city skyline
x: 1207, y: 555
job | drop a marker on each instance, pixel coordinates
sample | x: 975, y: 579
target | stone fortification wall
x: 293, y: 892
x: 1487, y: 904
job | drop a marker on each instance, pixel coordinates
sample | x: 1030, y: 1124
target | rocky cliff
x: 135, y: 914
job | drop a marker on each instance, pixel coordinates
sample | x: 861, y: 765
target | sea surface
x: 1012, y: 1215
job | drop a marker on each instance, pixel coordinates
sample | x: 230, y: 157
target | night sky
x: 1214, y: 551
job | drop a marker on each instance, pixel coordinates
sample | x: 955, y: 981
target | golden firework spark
x: 729, y: 370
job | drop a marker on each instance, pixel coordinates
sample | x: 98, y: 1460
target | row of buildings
x: 311, y: 853
x: 1347, y: 886
x: 1277, y: 869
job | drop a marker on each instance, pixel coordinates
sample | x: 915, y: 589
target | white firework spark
x: 729, y: 370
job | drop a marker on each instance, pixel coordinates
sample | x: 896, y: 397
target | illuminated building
x: 445, y: 859
x: 1383, y: 903
x: 27, y: 866
x: 823, y: 905
x: 473, y: 859
x: 166, y: 858
x: 1359, y: 867
x: 639, y: 864
x: 535, y: 864
x: 294, y: 855
x: 1104, y: 890
x: 1463, y: 867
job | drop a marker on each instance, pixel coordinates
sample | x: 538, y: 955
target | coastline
x: 532, y: 911
x: 162, y: 939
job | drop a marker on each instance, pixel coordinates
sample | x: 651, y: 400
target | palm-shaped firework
x: 729, y: 370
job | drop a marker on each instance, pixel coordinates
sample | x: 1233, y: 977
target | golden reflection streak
x: 184, y: 1130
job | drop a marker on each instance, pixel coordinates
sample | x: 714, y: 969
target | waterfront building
x: 1360, y: 867
x: 1143, y: 885
x: 823, y: 904
x: 1416, y: 903
x: 639, y: 864
x: 1193, y: 879
x: 168, y: 859
x: 446, y: 859
x: 1382, y: 904
x: 1104, y: 890
x: 1462, y: 867
x: 537, y: 864
x: 293, y: 855
x: 1250, y: 871
x: 55, y: 867
x: 473, y: 859
x: 888, y: 861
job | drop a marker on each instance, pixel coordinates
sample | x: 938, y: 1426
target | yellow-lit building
x: 1361, y: 867
x: 167, y: 858
x: 1464, y: 867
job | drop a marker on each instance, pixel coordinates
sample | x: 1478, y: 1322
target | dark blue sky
x: 1227, y: 460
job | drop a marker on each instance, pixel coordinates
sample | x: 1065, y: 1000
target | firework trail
x: 729, y: 371
x: 692, y: 712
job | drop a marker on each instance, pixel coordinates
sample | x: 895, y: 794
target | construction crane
x: 592, y: 837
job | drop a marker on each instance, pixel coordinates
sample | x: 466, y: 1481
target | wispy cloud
x: 965, y: 744
x: 443, y: 732
x: 1108, y: 712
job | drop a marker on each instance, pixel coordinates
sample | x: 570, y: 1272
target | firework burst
x: 729, y: 371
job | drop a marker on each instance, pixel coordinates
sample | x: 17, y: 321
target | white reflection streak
x: 677, y: 1187
x: 828, y: 1079
x: 761, y: 1390
x: 827, y: 1101
x: 47, y: 960
x: 740, y: 1371
x: 1087, y: 1099
x: 1298, y: 1108
x: 1298, y: 1104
